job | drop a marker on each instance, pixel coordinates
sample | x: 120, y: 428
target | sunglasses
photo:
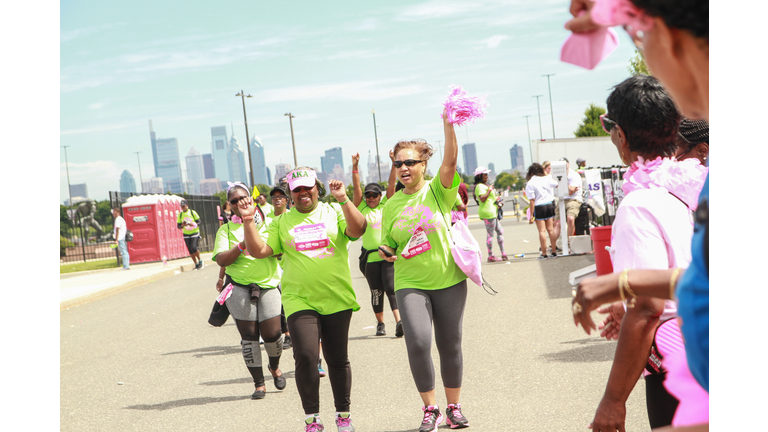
x: 607, y: 123
x: 236, y: 200
x: 409, y: 163
x: 300, y: 189
x: 371, y: 195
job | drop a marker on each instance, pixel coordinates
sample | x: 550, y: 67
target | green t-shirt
x: 457, y: 203
x: 190, y: 216
x: 434, y: 269
x: 487, y: 209
x: 246, y: 269
x: 372, y: 236
x: 317, y: 279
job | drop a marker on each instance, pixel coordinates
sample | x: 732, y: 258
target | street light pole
x: 293, y: 141
x: 530, y: 148
x: 69, y: 187
x: 247, y: 137
x: 541, y: 134
x: 141, y: 180
x: 376, y: 134
x: 551, y: 112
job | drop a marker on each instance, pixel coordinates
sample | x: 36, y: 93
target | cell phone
x: 385, y: 252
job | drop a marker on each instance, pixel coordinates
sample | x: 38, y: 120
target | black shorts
x: 192, y: 243
x: 544, y: 212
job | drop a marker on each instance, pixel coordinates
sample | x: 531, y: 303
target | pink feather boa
x: 620, y: 12
x: 462, y: 108
x: 684, y: 179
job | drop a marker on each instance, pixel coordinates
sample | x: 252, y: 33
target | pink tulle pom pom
x: 462, y: 108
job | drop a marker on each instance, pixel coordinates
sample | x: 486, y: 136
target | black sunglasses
x: 409, y: 163
x: 236, y: 200
x: 371, y: 195
x: 607, y: 123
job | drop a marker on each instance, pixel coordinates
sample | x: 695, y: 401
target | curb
x: 77, y: 301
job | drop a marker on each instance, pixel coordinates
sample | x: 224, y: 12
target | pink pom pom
x: 461, y: 108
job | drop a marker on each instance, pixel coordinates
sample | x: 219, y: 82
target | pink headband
x: 236, y: 184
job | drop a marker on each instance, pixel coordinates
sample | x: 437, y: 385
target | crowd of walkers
x: 284, y: 266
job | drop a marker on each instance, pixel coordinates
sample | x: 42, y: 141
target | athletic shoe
x: 287, y: 344
x: 432, y: 419
x: 197, y: 265
x: 320, y: 369
x: 344, y: 422
x: 454, y: 418
x: 399, y: 329
x: 380, y: 329
x: 553, y: 255
x: 491, y: 258
x: 542, y: 257
x: 313, y: 424
x: 504, y: 257
x: 201, y: 263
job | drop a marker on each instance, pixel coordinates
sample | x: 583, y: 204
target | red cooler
x: 601, y: 237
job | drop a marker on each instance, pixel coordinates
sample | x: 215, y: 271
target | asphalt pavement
x: 139, y: 355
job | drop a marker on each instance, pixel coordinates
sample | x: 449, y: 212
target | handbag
x: 465, y: 251
x: 219, y: 314
x: 364, y: 258
x: 128, y: 235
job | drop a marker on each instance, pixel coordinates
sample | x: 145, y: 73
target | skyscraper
x: 79, y: 190
x: 165, y: 152
x: 153, y: 185
x: 269, y: 176
x: 127, y: 182
x: 518, y: 161
x: 373, y: 170
x: 281, y: 170
x: 469, y: 154
x: 208, y: 166
x: 195, y: 170
x: 259, y: 167
x: 492, y: 174
x: 236, y: 158
x: 332, y: 158
x: 220, y: 153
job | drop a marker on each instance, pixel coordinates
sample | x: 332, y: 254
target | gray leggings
x: 445, y: 308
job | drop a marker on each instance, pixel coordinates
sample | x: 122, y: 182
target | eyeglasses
x: 607, y: 123
x: 300, y: 189
x: 371, y: 195
x: 409, y: 163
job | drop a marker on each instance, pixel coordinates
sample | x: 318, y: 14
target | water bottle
x: 519, y: 255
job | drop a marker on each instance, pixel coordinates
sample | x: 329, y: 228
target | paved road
x: 145, y: 359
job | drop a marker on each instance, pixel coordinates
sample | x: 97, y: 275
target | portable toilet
x: 142, y: 217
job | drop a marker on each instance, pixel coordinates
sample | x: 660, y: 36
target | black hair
x: 689, y: 15
x: 479, y: 179
x: 646, y: 113
x: 399, y: 186
x: 536, y: 169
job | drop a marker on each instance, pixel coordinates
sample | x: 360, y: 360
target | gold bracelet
x: 673, y: 283
x: 624, y: 286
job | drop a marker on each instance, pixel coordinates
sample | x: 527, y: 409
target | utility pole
x: 376, y: 134
x: 69, y: 187
x: 530, y: 148
x: 551, y: 112
x: 141, y: 180
x: 290, y: 119
x: 541, y: 134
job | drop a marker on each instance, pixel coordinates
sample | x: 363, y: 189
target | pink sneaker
x: 492, y: 258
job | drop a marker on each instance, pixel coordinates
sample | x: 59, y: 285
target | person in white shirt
x: 572, y: 201
x: 119, y: 234
x: 540, y: 195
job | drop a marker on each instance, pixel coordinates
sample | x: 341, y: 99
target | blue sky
x: 180, y: 64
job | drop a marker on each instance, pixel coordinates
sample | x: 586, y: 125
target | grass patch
x: 89, y: 265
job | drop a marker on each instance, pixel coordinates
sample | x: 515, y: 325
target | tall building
x: 269, y: 177
x: 236, y: 158
x: 332, y: 158
x: 220, y: 153
x: 153, y: 185
x: 210, y: 186
x: 127, y: 183
x: 165, y: 153
x: 492, y: 174
x: 195, y: 170
x: 516, y: 156
x: 373, y: 170
x: 208, y: 171
x: 79, y: 190
x: 469, y: 154
x: 281, y: 170
x: 259, y: 167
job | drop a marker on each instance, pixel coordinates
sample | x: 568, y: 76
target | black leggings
x: 307, y: 327
x: 660, y: 404
x: 381, y: 280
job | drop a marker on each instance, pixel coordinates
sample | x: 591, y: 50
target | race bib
x: 309, y: 237
x: 418, y: 244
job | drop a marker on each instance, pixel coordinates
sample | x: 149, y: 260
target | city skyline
x: 120, y: 67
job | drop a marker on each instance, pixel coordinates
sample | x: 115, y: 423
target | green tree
x: 590, y: 124
x: 637, y: 65
x: 513, y: 181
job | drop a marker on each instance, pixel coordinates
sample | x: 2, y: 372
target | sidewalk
x: 81, y: 287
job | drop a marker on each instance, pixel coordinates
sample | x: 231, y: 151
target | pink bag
x: 466, y: 251
x: 588, y: 49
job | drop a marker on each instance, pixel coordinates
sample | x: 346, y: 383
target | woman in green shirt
x: 380, y: 274
x: 485, y: 197
x: 430, y: 288
x: 254, y: 301
x: 317, y: 285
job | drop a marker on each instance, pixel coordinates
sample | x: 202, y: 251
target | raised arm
x: 448, y: 168
x: 356, y: 223
x: 357, y: 192
x: 256, y: 246
x: 392, y: 176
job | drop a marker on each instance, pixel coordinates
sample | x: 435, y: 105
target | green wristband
x: 342, y: 203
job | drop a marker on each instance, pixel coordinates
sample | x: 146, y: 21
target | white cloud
x: 69, y: 35
x: 367, y: 24
x: 435, y: 9
x: 97, y: 105
x: 354, y: 90
x: 494, y: 41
